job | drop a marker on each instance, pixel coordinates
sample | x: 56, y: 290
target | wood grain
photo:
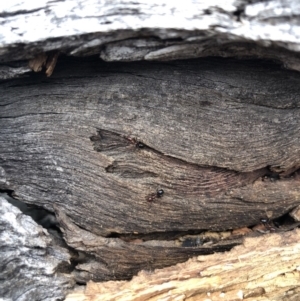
x: 244, y: 273
x: 216, y: 135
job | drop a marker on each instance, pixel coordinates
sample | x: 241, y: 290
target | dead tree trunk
x: 146, y: 164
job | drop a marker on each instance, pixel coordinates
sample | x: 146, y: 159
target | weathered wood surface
x: 122, y: 257
x: 244, y: 273
x: 150, y: 30
x: 218, y: 136
x: 33, y: 265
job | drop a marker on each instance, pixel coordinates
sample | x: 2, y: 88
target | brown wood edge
x: 262, y: 268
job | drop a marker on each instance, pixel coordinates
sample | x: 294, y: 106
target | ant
x: 153, y: 196
x: 134, y: 141
x: 266, y: 223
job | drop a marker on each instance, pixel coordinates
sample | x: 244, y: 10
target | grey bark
x: 95, y: 142
x: 152, y: 30
x: 32, y: 263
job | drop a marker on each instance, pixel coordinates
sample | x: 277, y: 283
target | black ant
x: 153, y: 196
x: 266, y: 223
x: 134, y: 141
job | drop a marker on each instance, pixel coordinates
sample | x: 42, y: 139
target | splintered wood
x: 263, y: 268
x: 44, y: 60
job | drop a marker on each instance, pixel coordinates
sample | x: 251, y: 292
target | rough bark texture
x: 244, y: 273
x: 151, y: 30
x: 32, y: 263
x: 141, y: 162
x: 95, y: 147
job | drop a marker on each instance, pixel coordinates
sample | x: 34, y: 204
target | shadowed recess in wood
x: 263, y: 268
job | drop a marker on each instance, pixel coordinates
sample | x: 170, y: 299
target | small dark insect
x: 266, y: 223
x: 140, y: 145
x: 160, y: 193
x: 153, y: 196
x: 134, y: 141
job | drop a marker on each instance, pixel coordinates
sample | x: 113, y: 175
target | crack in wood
x: 135, y: 159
